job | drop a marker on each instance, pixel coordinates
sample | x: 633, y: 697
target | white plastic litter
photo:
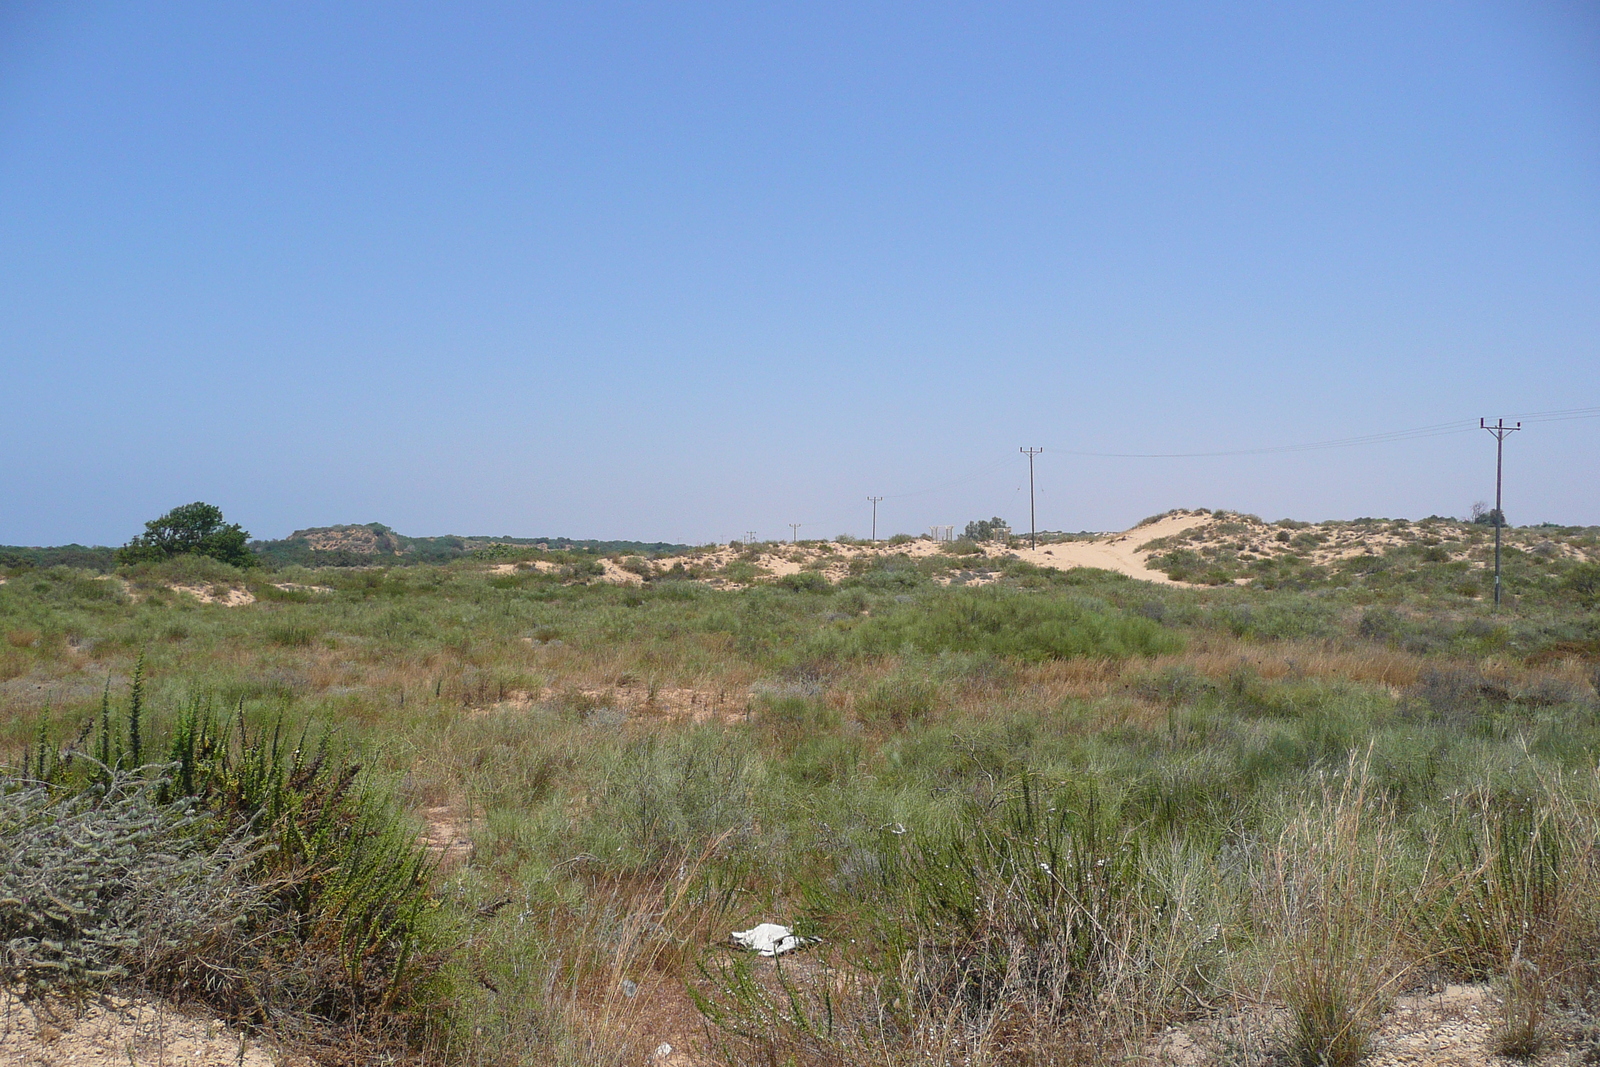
x: 770, y: 939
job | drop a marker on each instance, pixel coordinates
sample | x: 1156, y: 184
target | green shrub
x: 1583, y: 581
x: 110, y: 883
x: 663, y: 801
x: 899, y: 700
x: 1025, y: 626
x: 335, y: 892
x: 1032, y: 895
x: 291, y: 635
x: 804, y: 582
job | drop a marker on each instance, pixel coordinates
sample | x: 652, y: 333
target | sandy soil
x: 447, y: 833
x: 1117, y: 552
x: 1451, y: 1027
x: 683, y: 703
x: 228, y: 598
x: 119, y: 1032
x: 1120, y: 552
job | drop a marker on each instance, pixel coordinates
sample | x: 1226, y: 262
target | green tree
x: 195, y: 529
x: 1484, y: 515
x: 995, y: 529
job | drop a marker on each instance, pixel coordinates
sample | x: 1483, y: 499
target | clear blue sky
x: 679, y: 271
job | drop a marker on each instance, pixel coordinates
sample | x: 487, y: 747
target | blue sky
x: 681, y: 271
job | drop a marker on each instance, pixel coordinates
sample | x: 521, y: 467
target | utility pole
x: 874, y: 500
x: 794, y: 532
x: 749, y: 537
x: 1501, y: 431
x: 1033, y: 523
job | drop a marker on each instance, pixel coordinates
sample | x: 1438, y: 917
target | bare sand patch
x: 211, y: 594
x: 447, y: 833
x: 1122, y: 553
x: 1453, y: 1026
x: 675, y: 703
x: 116, y: 1031
x: 297, y: 587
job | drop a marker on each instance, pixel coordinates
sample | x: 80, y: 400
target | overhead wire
x: 1441, y: 429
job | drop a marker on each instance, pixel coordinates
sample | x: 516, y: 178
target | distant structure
x: 942, y: 533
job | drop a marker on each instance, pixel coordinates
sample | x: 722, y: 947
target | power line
x: 1558, y: 416
x: 962, y: 480
x: 1413, y: 433
x: 1437, y: 430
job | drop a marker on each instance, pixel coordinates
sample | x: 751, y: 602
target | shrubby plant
x: 115, y: 882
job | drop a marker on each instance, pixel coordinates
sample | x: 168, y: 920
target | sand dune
x: 1116, y: 552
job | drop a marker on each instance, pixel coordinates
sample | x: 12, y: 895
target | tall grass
x: 1525, y: 905
x: 1331, y: 905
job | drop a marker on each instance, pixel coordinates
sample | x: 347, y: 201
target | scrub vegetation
x: 498, y: 810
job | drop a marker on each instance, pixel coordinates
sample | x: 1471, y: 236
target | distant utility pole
x: 794, y: 532
x: 749, y: 537
x: 1033, y: 523
x: 1501, y: 431
x: 874, y: 500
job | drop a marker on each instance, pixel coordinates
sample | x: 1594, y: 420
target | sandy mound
x: 1117, y: 552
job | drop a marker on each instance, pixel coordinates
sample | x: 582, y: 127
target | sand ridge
x: 738, y: 566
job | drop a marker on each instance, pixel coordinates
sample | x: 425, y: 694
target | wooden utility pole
x: 1501, y: 431
x: 1033, y: 523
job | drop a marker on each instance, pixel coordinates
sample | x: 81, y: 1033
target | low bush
x: 1023, y: 626
x: 114, y: 882
x: 247, y: 869
x: 805, y: 582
